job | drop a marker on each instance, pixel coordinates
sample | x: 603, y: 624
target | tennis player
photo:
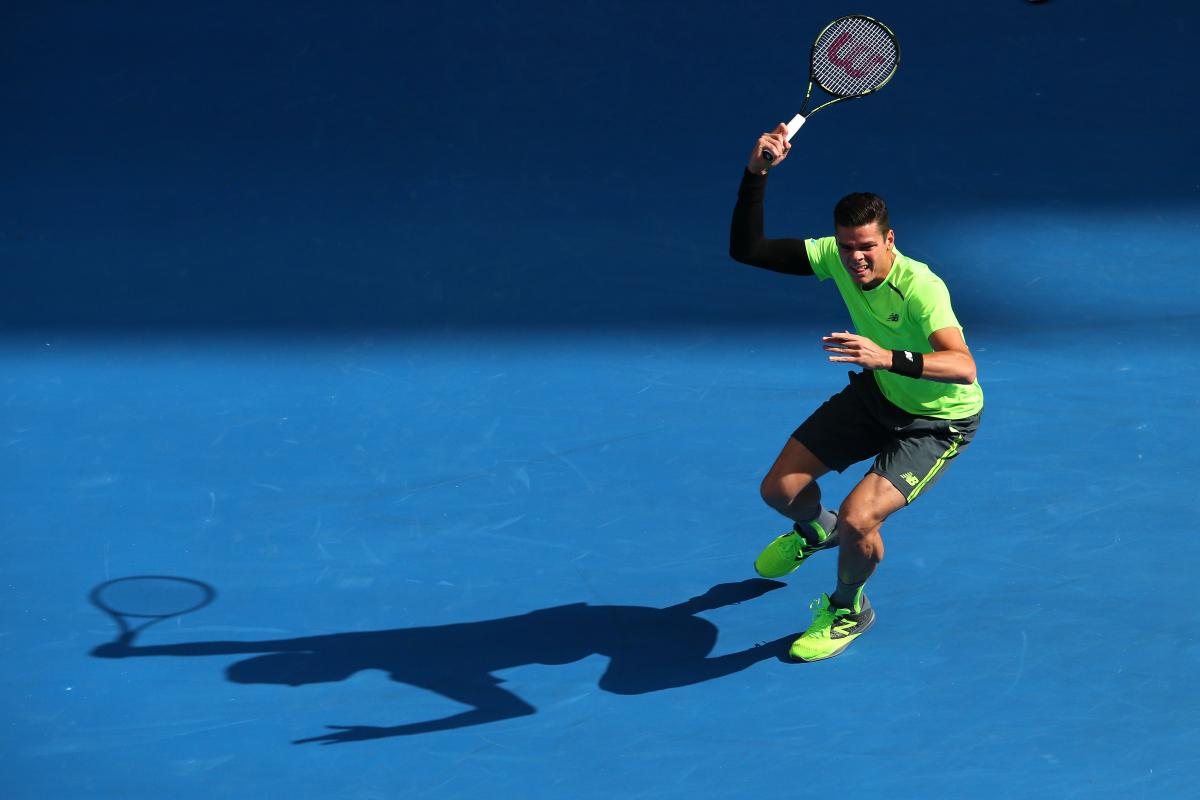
x: 913, y: 407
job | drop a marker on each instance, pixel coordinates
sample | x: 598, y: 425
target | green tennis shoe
x: 832, y: 629
x: 786, y: 553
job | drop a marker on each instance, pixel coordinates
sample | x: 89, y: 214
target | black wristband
x: 907, y: 363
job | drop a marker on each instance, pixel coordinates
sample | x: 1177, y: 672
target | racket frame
x: 794, y: 125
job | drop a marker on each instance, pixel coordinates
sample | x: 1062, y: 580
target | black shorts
x: 858, y: 423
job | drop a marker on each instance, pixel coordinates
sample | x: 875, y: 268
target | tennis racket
x: 852, y: 57
x: 137, y: 602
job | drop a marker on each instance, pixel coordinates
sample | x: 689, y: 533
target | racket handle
x: 792, y: 127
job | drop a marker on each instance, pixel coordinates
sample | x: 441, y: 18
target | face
x: 866, y: 253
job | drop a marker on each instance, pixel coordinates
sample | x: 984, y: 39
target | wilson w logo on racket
x: 846, y: 60
x: 852, y: 57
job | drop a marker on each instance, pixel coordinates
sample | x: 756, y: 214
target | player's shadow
x: 650, y: 649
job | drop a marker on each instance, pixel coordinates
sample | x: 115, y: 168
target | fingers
x: 773, y: 142
x: 851, y: 348
x: 846, y: 345
x: 841, y: 338
x: 776, y: 141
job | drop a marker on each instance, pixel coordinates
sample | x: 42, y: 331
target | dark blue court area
x: 383, y: 416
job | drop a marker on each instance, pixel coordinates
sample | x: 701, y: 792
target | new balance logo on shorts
x: 910, y: 479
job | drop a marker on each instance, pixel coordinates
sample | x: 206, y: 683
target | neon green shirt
x: 900, y: 314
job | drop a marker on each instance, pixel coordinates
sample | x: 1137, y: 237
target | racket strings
x: 854, y: 56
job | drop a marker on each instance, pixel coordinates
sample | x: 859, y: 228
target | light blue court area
x: 519, y: 566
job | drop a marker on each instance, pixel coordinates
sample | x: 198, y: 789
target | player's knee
x: 771, y: 491
x: 780, y: 492
x: 859, y: 518
x: 857, y: 524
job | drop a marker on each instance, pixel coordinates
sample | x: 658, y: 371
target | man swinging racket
x: 913, y: 408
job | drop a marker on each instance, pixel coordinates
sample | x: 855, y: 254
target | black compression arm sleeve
x: 746, y: 241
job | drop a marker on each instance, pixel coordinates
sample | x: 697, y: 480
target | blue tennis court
x: 447, y: 432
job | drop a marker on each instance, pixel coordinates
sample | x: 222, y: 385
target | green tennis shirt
x: 900, y: 314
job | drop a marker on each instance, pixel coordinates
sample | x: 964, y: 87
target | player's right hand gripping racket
x: 852, y: 57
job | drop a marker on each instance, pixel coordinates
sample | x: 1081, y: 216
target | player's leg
x: 908, y: 467
x: 790, y: 487
x: 846, y: 614
x: 838, y: 434
x: 871, y: 502
x: 905, y: 469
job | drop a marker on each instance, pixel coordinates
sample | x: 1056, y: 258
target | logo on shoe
x: 910, y: 479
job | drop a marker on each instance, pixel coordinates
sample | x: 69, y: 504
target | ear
x: 891, y: 239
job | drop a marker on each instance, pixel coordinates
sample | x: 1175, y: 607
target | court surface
x: 432, y: 526
x: 467, y: 451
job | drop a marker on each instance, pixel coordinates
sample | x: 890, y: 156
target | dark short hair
x: 861, y: 208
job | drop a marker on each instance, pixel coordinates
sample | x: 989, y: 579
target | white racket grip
x: 794, y: 126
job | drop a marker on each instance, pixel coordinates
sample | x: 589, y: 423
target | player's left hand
x: 850, y: 348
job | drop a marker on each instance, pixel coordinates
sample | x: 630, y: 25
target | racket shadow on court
x: 649, y: 650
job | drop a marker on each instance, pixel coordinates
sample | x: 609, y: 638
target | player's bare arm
x: 950, y: 362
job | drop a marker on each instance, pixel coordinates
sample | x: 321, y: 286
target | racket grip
x: 792, y: 128
x: 794, y: 125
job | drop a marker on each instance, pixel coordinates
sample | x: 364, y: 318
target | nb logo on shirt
x: 893, y: 317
